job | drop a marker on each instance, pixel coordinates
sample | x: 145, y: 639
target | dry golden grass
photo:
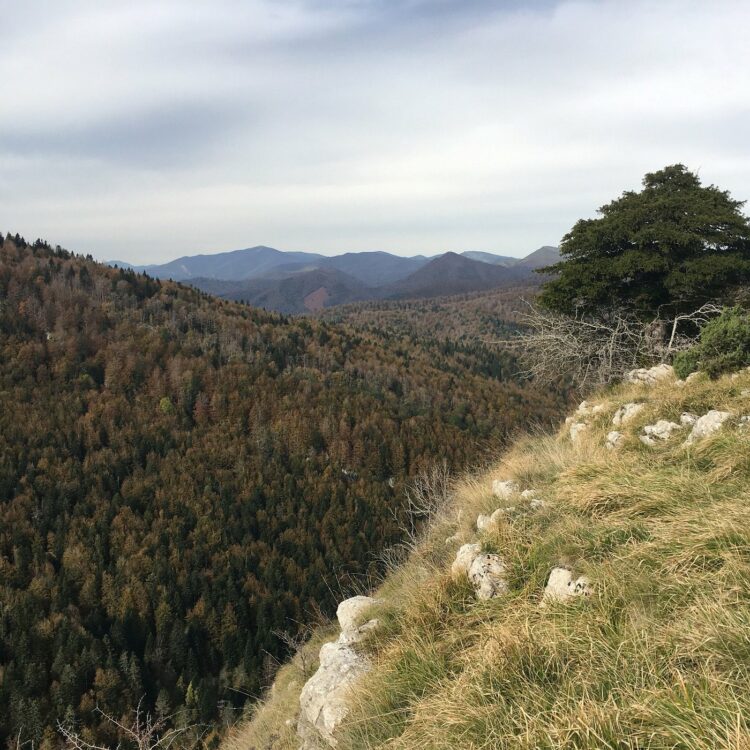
x: 658, y: 657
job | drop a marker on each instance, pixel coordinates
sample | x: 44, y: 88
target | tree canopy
x: 667, y: 249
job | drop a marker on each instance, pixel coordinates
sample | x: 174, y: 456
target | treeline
x: 181, y: 476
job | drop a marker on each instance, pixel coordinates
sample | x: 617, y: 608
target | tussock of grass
x: 658, y: 657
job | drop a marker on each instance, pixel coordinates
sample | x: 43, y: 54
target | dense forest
x: 475, y: 319
x: 181, y: 476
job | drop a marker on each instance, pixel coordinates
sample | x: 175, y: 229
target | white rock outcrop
x: 504, y: 488
x: 323, y: 700
x: 626, y: 412
x: 662, y: 430
x: 650, y: 375
x: 576, y: 429
x: 350, y: 611
x: 562, y: 587
x: 464, y: 558
x: 706, y: 425
x: 487, y: 575
x: 585, y: 409
x: 486, y: 571
x: 688, y: 418
x: 614, y: 439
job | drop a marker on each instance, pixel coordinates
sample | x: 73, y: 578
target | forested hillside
x: 472, y: 319
x: 181, y: 476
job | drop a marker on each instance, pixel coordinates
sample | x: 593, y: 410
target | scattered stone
x: 562, y: 587
x: 350, y: 611
x: 576, y: 429
x: 614, y: 439
x: 662, y: 430
x: 487, y: 574
x: 688, y: 418
x: 625, y: 413
x: 650, y: 375
x: 323, y: 700
x: 528, y: 494
x: 464, y: 558
x: 585, y: 409
x: 483, y: 522
x: 709, y: 423
x: 485, y: 571
x: 504, y: 488
x: 537, y: 504
x: 744, y: 422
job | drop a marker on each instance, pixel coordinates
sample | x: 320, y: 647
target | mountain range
x: 301, y: 282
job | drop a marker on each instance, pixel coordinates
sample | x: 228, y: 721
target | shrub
x: 685, y: 362
x: 723, y: 345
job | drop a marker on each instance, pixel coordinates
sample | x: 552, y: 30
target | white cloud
x: 147, y: 130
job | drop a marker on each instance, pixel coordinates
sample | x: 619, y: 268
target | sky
x: 142, y: 130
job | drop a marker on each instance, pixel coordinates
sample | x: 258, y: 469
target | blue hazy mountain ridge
x: 372, y: 268
x: 251, y: 262
x: 312, y: 285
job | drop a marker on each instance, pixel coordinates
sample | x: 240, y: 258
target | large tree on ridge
x: 665, y: 250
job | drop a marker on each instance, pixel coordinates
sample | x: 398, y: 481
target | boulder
x: 349, y: 612
x: 662, y: 430
x: 537, y: 504
x: 464, y: 558
x: 706, y: 425
x: 688, y: 418
x: 650, y: 375
x: 614, y: 439
x: 483, y: 522
x: 323, y: 704
x: 562, y: 587
x: 323, y: 700
x: 487, y: 575
x: 585, y: 409
x: 625, y: 413
x: 576, y: 429
x: 485, y: 571
x: 504, y: 488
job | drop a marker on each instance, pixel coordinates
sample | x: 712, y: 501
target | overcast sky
x: 146, y: 129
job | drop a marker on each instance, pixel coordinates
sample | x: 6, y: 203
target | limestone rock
x: 349, y: 612
x: 614, y: 439
x: 709, y: 423
x: 503, y: 488
x: 562, y: 587
x: 322, y: 701
x: 464, y: 558
x: 688, y: 418
x: 585, y: 409
x: 662, y: 430
x: 483, y: 522
x: 650, y: 375
x: 528, y: 494
x: 487, y: 574
x: 485, y: 571
x: 576, y: 429
x: 626, y: 412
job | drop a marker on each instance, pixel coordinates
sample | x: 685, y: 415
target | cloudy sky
x: 146, y: 129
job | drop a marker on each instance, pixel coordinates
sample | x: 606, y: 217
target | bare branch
x: 145, y: 731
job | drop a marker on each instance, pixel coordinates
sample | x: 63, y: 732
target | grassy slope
x: 659, y: 657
